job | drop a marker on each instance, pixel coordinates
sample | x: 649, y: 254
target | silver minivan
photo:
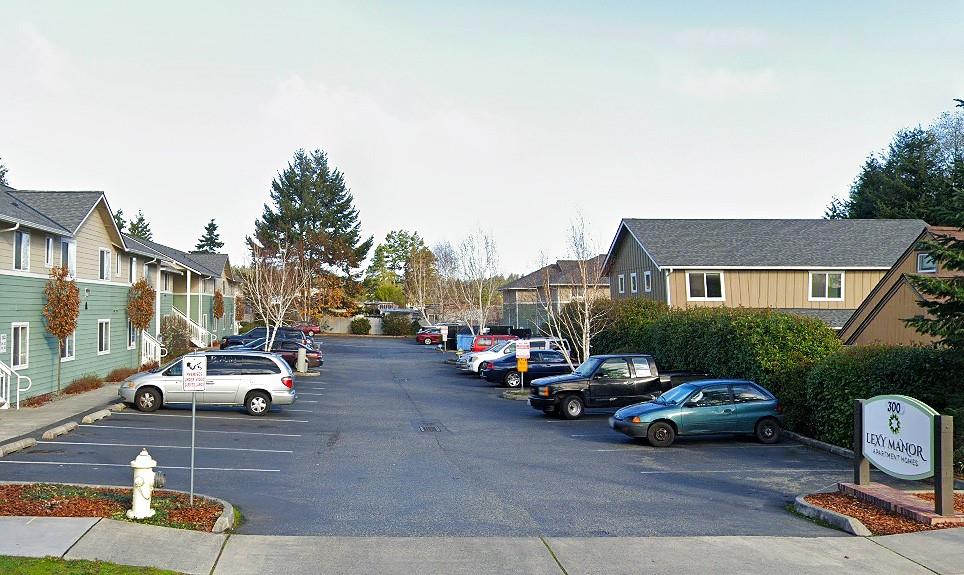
x: 253, y: 379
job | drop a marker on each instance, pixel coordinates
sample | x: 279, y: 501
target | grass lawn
x: 51, y: 565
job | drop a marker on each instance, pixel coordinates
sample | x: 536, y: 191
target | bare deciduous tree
x: 272, y: 284
x: 476, y: 275
x: 419, y: 277
x: 444, y: 276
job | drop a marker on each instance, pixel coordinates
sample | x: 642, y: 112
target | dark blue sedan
x: 542, y: 363
x: 709, y: 407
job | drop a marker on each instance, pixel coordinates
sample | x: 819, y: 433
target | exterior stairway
x: 200, y: 337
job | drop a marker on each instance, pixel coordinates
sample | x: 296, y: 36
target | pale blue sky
x: 504, y: 115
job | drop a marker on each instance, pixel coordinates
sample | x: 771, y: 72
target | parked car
x: 429, y: 335
x: 288, y: 350
x: 258, y: 344
x: 473, y: 361
x: 542, y: 363
x: 284, y: 332
x: 716, y: 406
x: 484, y: 342
x: 309, y: 328
x: 252, y: 379
x: 604, y: 381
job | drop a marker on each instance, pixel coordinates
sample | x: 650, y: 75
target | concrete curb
x: 118, y: 407
x: 223, y: 523
x: 17, y: 446
x: 96, y: 416
x: 515, y: 395
x: 55, y: 432
x: 848, y: 524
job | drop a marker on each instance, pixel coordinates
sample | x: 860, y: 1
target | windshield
x: 676, y: 395
x: 499, y: 346
x: 586, y: 368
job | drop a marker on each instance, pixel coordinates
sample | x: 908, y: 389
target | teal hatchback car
x: 709, y: 407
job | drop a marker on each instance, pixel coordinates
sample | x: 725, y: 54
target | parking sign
x: 445, y: 332
x: 194, y: 372
x: 522, y: 349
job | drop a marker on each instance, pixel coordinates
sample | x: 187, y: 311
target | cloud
x: 722, y: 38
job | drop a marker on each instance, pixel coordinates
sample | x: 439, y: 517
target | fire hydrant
x: 143, y: 466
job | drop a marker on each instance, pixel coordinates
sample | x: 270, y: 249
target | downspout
x: 13, y: 229
x: 666, y: 286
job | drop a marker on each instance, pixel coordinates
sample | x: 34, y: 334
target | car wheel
x: 258, y: 403
x: 661, y: 434
x: 513, y: 379
x: 428, y: 341
x: 571, y: 407
x: 147, y: 399
x: 768, y: 431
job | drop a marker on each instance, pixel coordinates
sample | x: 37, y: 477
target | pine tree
x: 3, y: 174
x: 119, y: 220
x: 210, y: 242
x: 139, y: 228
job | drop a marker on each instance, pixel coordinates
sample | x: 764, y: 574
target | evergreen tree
x: 119, y: 220
x: 210, y: 242
x: 139, y: 228
x: 391, y: 258
x: 3, y: 174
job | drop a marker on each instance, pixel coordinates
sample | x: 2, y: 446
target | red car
x: 429, y: 336
x: 308, y: 328
x: 288, y: 350
x: 484, y: 342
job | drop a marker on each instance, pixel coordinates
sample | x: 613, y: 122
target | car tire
x: 571, y: 407
x: 428, y: 341
x: 257, y: 403
x: 147, y: 399
x: 513, y: 379
x: 661, y: 434
x: 767, y: 431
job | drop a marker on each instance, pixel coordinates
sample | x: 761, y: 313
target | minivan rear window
x: 260, y: 366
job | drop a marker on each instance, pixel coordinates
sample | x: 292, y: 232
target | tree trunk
x: 60, y: 353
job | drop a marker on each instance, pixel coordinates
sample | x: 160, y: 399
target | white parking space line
x: 770, y: 470
x: 105, y: 426
x: 308, y: 401
x: 165, y: 446
x: 136, y: 413
x: 299, y: 410
x: 316, y: 394
x: 128, y: 465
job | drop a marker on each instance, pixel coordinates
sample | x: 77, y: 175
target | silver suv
x: 254, y: 379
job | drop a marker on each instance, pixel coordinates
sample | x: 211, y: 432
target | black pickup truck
x: 604, y: 381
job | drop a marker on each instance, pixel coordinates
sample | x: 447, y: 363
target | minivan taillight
x: 289, y: 382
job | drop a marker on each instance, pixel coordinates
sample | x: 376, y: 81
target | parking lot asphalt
x: 391, y: 441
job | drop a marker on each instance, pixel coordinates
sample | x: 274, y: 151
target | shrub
x: 361, y: 326
x: 120, y: 374
x: 85, y: 383
x: 37, y: 400
x: 175, y: 335
x: 249, y: 325
x: 629, y: 320
x: 149, y: 366
x: 397, y: 324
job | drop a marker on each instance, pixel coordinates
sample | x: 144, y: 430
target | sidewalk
x: 192, y: 552
x: 27, y: 420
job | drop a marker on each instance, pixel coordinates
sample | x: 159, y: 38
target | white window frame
x: 923, y: 270
x: 146, y: 271
x: 70, y: 347
x: 621, y: 283
x: 633, y: 283
x: 828, y: 273
x: 131, y: 335
x: 132, y: 272
x: 166, y: 282
x: 13, y: 345
x: 647, y: 281
x: 24, y: 250
x: 722, y: 297
x: 101, y: 322
x: 48, y: 252
x: 71, y: 262
x: 103, y: 265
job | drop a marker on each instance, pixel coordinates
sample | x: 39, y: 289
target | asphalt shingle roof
x: 835, y: 318
x: 197, y: 262
x: 563, y: 272
x: 68, y: 209
x: 775, y: 243
x: 16, y: 210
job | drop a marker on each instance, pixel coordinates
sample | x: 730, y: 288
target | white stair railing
x: 199, y: 336
x: 7, y: 375
x: 151, y: 349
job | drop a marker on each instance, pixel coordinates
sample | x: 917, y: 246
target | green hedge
x: 397, y: 324
x: 360, y: 326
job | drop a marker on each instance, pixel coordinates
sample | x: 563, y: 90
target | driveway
x: 391, y: 441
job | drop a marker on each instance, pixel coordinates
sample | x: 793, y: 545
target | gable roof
x: 562, y: 272
x: 204, y: 264
x: 771, y: 243
x: 68, y: 209
x: 213, y: 262
x: 18, y: 211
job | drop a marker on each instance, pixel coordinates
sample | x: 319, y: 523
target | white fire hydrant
x: 143, y: 486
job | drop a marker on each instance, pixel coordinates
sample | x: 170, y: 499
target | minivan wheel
x: 427, y: 341
x: 571, y: 407
x: 258, y: 403
x: 513, y: 379
x: 147, y: 399
x: 768, y: 431
x: 661, y: 434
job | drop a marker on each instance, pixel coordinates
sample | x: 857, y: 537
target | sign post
x: 522, y: 360
x: 444, y: 330
x: 194, y: 374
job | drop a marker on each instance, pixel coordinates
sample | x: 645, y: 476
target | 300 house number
x: 893, y: 407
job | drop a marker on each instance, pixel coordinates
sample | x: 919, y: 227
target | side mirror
x: 691, y: 404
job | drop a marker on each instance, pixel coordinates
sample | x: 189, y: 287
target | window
x: 826, y: 286
x: 21, y: 251
x: 131, y: 335
x: 117, y: 270
x: 613, y: 368
x: 641, y: 364
x: 746, y: 393
x: 633, y: 283
x: 174, y: 370
x: 68, y: 256
x: 648, y: 281
x: 132, y: 270
x: 145, y: 271
x: 68, y: 351
x: 621, y: 281
x: 225, y: 364
x: 49, y: 252
x: 260, y: 366
x: 166, y: 281
x: 103, y: 336
x: 104, y: 271
x: 704, y: 286
x: 20, y: 353
x: 926, y: 264
x: 710, y: 396
x: 552, y: 357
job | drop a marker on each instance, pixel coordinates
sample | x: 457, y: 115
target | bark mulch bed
x: 879, y: 521
x: 54, y: 500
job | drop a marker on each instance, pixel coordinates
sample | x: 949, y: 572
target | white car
x: 473, y: 361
